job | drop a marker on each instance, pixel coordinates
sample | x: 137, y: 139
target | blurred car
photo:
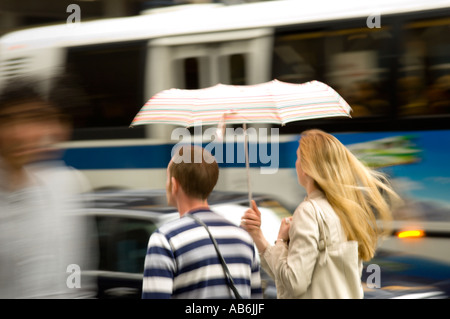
x: 125, y: 220
x: 406, y: 276
x: 413, y: 262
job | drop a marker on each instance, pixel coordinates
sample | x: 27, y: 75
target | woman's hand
x: 251, y: 222
x: 283, y: 233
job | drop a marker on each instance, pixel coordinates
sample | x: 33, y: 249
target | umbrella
x: 273, y: 102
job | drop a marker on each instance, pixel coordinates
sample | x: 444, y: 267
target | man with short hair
x: 181, y: 260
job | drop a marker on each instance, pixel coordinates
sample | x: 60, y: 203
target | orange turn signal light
x: 417, y: 233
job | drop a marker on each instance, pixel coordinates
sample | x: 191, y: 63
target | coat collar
x: 315, y: 194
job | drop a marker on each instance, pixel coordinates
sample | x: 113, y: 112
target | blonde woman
x: 346, y: 198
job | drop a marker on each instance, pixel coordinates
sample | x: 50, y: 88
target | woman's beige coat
x: 293, y: 266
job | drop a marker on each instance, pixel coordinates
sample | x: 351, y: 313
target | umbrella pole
x: 247, y: 165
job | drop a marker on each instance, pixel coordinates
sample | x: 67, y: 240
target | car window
x: 123, y: 243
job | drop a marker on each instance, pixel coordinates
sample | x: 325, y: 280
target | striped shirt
x: 181, y: 260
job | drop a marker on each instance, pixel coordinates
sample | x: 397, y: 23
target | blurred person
x: 181, y: 260
x: 41, y: 235
x: 439, y: 95
x: 365, y: 99
x: 351, y: 198
x: 411, y: 96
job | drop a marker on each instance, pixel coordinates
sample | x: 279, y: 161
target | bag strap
x: 323, y: 238
x: 222, y: 260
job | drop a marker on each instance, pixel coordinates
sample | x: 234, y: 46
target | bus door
x: 202, y: 60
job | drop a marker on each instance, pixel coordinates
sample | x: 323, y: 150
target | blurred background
x: 389, y: 59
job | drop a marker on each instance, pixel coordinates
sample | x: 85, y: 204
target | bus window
x: 112, y: 77
x: 424, y: 83
x: 237, y: 69
x: 296, y: 57
x: 357, y: 67
x: 191, y: 73
x: 353, y: 61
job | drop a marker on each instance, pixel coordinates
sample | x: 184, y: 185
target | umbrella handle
x: 247, y: 165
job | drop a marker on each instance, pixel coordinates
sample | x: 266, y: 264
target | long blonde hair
x: 359, y: 195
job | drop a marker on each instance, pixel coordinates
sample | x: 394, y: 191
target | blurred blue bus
x: 389, y: 59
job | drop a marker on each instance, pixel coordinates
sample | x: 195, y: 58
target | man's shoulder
x: 212, y: 219
x: 230, y: 229
x: 175, y: 226
x: 186, y: 223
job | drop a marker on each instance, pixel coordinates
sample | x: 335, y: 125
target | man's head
x: 25, y: 118
x: 194, y: 170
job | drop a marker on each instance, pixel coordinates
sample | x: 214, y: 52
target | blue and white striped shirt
x: 181, y: 261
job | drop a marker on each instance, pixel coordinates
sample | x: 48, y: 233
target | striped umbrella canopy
x: 273, y: 102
